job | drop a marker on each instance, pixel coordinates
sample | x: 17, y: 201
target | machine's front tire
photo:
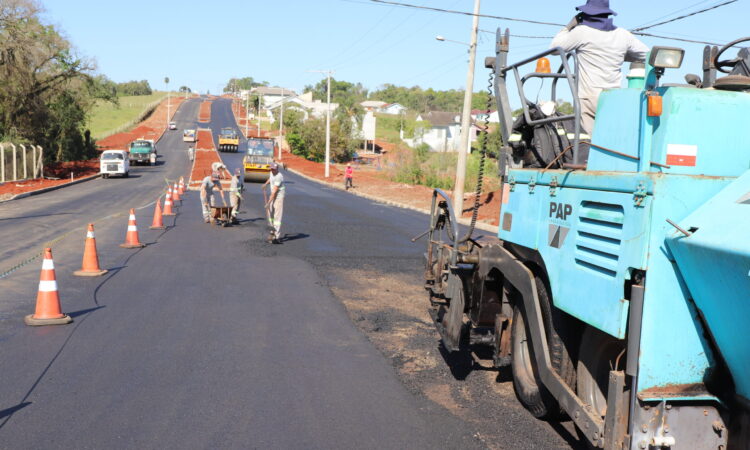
x: 526, y: 382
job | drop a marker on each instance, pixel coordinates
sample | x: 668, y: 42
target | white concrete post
x: 25, y: 171
x: 15, y: 163
x: 2, y: 163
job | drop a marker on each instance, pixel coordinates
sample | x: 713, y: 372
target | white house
x: 392, y: 108
x: 444, y: 133
x: 271, y: 95
x: 304, y: 103
x: 372, y: 105
x: 480, y: 115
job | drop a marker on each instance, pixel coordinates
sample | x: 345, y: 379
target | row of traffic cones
x: 48, y: 310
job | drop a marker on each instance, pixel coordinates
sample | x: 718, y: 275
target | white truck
x: 114, y: 162
x: 189, y: 136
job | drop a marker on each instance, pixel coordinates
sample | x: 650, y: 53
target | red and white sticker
x: 681, y: 155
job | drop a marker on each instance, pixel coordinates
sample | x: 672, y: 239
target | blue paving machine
x: 617, y: 290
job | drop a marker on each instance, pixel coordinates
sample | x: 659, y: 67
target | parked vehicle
x: 189, y: 136
x: 617, y: 288
x: 114, y: 162
x: 229, y: 140
x: 257, y: 161
x: 142, y: 151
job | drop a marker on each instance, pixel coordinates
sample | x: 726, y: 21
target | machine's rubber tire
x: 597, y: 351
x: 105, y: 175
x: 127, y: 174
x: 526, y: 382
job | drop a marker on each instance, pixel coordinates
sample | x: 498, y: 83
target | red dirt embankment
x: 204, y: 114
x: 151, y: 128
x: 205, y: 155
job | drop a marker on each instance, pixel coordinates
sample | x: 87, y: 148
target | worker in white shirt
x: 601, y: 48
x: 275, y: 204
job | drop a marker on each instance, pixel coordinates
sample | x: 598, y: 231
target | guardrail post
x: 25, y: 171
x: 2, y: 163
x: 15, y: 163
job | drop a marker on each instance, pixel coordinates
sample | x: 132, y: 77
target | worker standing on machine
x: 275, y: 204
x: 236, y: 187
x: 601, y: 48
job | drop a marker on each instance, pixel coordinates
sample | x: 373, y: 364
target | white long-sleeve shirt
x: 600, y: 56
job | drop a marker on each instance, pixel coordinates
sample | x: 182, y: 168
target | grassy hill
x: 106, y: 118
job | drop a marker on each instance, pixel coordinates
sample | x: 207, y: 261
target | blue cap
x: 596, y: 7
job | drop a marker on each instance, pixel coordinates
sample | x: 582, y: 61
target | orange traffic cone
x: 131, y: 238
x: 90, y: 265
x: 176, y: 194
x: 48, y: 311
x: 158, y: 222
x: 168, y: 204
x: 182, y: 186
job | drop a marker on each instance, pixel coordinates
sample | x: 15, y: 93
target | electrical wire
x: 674, y: 12
x: 684, y: 16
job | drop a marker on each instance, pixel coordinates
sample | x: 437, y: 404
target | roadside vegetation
x: 47, y: 89
x: 107, y: 118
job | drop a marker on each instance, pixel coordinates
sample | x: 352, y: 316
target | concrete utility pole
x: 463, y: 148
x: 166, y: 82
x: 328, y: 122
x: 247, y: 111
x: 281, y: 124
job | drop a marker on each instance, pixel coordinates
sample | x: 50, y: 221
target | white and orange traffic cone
x: 131, y: 238
x: 182, y: 186
x: 168, y: 204
x: 176, y: 194
x: 158, y: 222
x: 90, y: 264
x: 48, y: 311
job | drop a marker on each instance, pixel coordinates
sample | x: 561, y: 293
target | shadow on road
x: 38, y: 215
x: 10, y: 411
x: 294, y: 237
x: 81, y: 312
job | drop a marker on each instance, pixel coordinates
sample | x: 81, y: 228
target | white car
x: 114, y: 162
x: 172, y: 125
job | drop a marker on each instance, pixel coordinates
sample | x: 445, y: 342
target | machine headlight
x: 666, y: 57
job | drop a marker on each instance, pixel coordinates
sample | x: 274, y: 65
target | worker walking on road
x: 349, y: 176
x: 601, y: 48
x: 236, y: 188
x: 207, y: 190
x: 275, y: 204
x: 191, y: 153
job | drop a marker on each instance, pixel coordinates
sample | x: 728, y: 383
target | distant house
x: 444, y: 133
x: 392, y: 108
x: 372, y: 105
x: 271, y: 95
x: 303, y: 103
x: 480, y: 115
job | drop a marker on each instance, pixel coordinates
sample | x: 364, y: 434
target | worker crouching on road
x: 236, y: 188
x: 275, y: 204
x: 207, y: 190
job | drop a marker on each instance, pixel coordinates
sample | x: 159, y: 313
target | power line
x: 673, y: 12
x: 676, y: 39
x: 464, y: 13
x: 700, y: 11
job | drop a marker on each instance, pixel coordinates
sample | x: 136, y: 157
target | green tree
x: 243, y: 84
x: 46, y: 89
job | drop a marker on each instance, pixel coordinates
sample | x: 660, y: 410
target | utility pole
x: 247, y: 111
x: 328, y: 121
x: 463, y: 148
x: 281, y: 124
x: 166, y: 82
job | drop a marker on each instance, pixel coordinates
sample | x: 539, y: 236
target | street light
x: 443, y: 39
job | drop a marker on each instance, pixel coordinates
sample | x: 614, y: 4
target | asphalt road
x: 209, y: 337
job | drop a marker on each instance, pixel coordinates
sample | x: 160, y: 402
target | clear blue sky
x: 201, y: 44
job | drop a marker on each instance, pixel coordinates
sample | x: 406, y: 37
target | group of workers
x: 274, y: 204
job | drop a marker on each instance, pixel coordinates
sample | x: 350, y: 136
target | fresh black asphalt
x: 209, y: 337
